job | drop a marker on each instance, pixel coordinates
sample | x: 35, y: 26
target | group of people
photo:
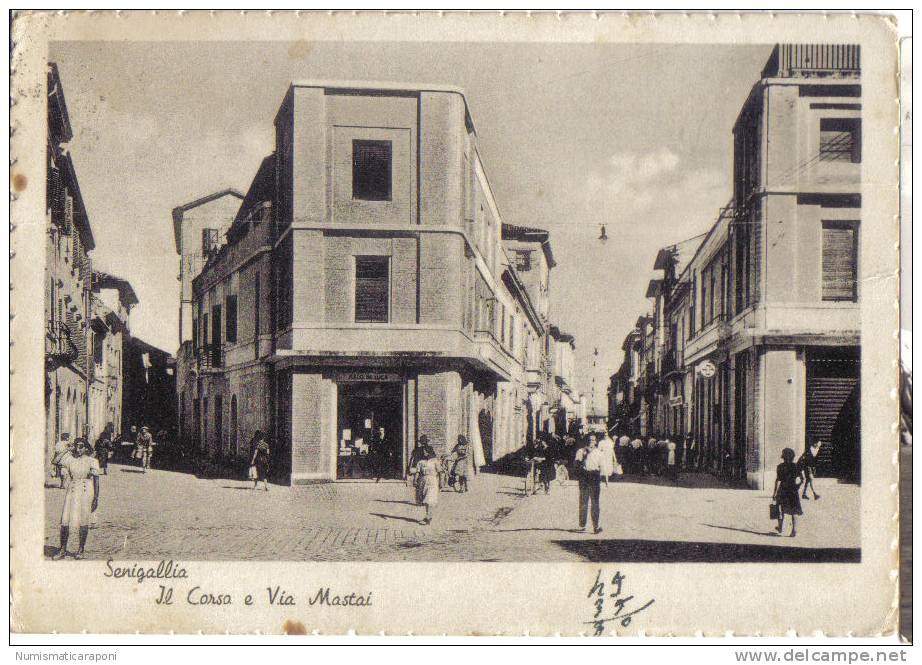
x: 429, y: 475
x: 551, y: 457
x: 792, y: 478
x: 78, y: 464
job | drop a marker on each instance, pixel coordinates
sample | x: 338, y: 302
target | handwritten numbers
x: 614, y: 602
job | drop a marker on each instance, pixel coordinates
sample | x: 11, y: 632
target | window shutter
x: 839, y: 261
x: 231, y: 314
x: 371, y: 289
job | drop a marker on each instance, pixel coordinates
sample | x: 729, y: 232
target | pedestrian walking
x: 672, y: 467
x: 607, y: 453
x: 541, y: 472
x: 786, y: 494
x: 462, y: 463
x: 145, y: 448
x: 427, y: 472
x: 558, y: 452
x: 62, y: 449
x: 259, y: 460
x: 589, y: 464
x: 807, y: 463
x: 419, y: 453
x: 81, y: 499
x: 104, y: 448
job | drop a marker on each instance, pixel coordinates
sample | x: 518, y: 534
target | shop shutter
x: 839, y: 261
x: 371, y: 289
x: 829, y: 386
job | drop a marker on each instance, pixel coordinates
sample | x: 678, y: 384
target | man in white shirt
x: 589, y: 468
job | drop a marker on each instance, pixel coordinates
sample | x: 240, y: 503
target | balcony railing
x: 60, y: 348
x: 669, y: 362
x: 210, y: 356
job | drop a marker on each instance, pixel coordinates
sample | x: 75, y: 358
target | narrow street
x: 163, y: 515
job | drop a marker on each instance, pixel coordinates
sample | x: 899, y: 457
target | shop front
x: 370, y: 427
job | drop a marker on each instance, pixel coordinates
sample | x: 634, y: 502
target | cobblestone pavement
x: 162, y: 514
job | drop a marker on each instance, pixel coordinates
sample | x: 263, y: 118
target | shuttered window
x: 840, y: 140
x: 372, y: 292
x: 230, y: 306
x: 371, y: 170
x: 840, y: 254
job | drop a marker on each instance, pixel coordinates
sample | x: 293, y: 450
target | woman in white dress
x: 428, y: 470
x: 81, y: 498
x: 607, y: 450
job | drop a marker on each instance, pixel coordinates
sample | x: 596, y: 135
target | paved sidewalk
x: 165, y: 514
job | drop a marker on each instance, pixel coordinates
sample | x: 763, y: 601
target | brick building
x: 764, y: 318
x: 361, y: 283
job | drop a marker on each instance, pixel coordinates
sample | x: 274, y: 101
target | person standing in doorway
x: 807, y: 463
x: 381, y: 454
x: 589, y: 464
x: 427, y: 484
x: 260, y: 459
x: 82, y: 498
x: 786, y: 495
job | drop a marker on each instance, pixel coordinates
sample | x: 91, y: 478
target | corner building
x: 363, y: 285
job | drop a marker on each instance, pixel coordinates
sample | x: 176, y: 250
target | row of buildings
x: 366, y: 280
x: 96, y: 372
x: 752, y: 341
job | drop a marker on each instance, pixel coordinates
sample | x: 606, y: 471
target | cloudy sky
x: 572, y: 136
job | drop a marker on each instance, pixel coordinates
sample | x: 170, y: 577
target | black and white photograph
x: 611, y: 303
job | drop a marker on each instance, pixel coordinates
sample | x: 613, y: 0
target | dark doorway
x: 485, y: 423
x: 363, y: 408
x: 833, y: 411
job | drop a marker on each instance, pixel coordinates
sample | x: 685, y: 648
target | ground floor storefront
x: 750, y: 404
x: 354, y: 421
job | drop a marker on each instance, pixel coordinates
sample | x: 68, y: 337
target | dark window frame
x: 230, y: 316
x: 372, y: 170
x: 840, y: 225
x: 371, y: 310
x: 838, y: 148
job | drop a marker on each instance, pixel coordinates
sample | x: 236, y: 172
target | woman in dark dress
x: 787, y: 494
x: 260, y: 460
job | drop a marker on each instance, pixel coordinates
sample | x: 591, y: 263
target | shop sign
x: 369, y: 376
x: 707, y: 369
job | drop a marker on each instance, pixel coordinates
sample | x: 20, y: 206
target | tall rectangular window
x: 216, y: 336
x: 371, y: 170
x: 840, y: 260
x: 209, y: 241
x: 256, y: 313
x: 372, y: 289
x: 284, y: 285
x: 230, y: 306
x: 840, y: 140
x: 691, y: 306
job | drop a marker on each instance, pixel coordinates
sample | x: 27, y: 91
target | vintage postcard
x: 494, y: 324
